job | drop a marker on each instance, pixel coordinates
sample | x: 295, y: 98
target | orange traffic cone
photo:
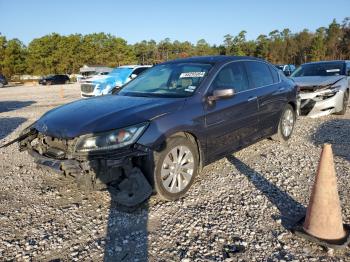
x: 323, y: 221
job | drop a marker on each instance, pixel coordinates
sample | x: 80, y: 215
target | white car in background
x: 104, y: 85
x: 323, y: 87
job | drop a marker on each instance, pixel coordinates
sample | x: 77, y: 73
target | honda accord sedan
x: 157, y: 133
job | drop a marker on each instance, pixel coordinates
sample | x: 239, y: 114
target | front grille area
x: 87, y: 88
x: 308, y: 89
x: 52, y: 147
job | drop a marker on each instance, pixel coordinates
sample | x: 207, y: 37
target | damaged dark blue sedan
x: 157, y: 133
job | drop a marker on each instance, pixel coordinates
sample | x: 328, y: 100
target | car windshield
x: 320, y: 69
x: 121, y: 73
x: 168, y: 80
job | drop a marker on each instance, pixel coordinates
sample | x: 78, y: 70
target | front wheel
x: 286, y: 124
x: 175, y: 168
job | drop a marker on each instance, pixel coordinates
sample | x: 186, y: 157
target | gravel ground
x: 241, y: 208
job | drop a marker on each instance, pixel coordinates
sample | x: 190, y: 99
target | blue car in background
x: 106, y: 84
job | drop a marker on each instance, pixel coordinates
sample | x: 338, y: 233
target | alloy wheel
x: 287, y: 123
x: 177, y: 169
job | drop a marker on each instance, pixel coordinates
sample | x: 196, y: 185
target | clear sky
x: 191, y: 20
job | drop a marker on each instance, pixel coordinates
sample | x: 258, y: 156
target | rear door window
x: 233, y: 76
x: 259, y: 73
x: 274, y: 73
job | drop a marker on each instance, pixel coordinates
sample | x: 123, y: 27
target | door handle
x: 281, y: 89
x: 252, y: 98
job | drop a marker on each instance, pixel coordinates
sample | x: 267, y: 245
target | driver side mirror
x: 221, y: 94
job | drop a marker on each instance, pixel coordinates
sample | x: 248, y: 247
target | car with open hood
x: 164, y: 126
x: 107, y: 84
x: 323, y: 87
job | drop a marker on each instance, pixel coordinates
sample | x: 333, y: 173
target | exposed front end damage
x: 321, y: 102
x: 115, y: 170
x: 320, y: 96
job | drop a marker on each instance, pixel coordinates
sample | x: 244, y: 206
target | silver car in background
x: 323, y: 87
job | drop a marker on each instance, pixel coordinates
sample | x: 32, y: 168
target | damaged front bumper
x: 320, y: 103
x: 114, y: 170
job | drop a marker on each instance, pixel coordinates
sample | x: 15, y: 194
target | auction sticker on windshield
x: 192, y: 74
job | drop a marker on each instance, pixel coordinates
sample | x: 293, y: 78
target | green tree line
x: 56, y: 53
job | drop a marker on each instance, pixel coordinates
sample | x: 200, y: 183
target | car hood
x: 316, y: 82
x: 100, y: 114
x: 112, y: 80
x: 95, y: 78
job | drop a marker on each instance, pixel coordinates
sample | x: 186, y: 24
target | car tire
x: 168, y: 176
x: 345, y: 103
x: 286, y: 124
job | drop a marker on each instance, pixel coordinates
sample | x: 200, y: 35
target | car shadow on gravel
x: 337, y: 133
x: 8, y: 124
x: 6, y: 106
x: 127, y: 233
x: 290, y: 210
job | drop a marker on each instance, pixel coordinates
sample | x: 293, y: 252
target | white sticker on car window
x: 191, y: 87
x: 189, y: 90
x: 333, y: 70
x: 192, y: 74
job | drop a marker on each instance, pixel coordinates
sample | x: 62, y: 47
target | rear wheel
x: 345, y: 103
x: 175, y: 168
x: 285, y: 125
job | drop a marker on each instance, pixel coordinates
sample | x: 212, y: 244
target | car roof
x: 212, y: 59
x: 330, y: 61
x: 134, y: 66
